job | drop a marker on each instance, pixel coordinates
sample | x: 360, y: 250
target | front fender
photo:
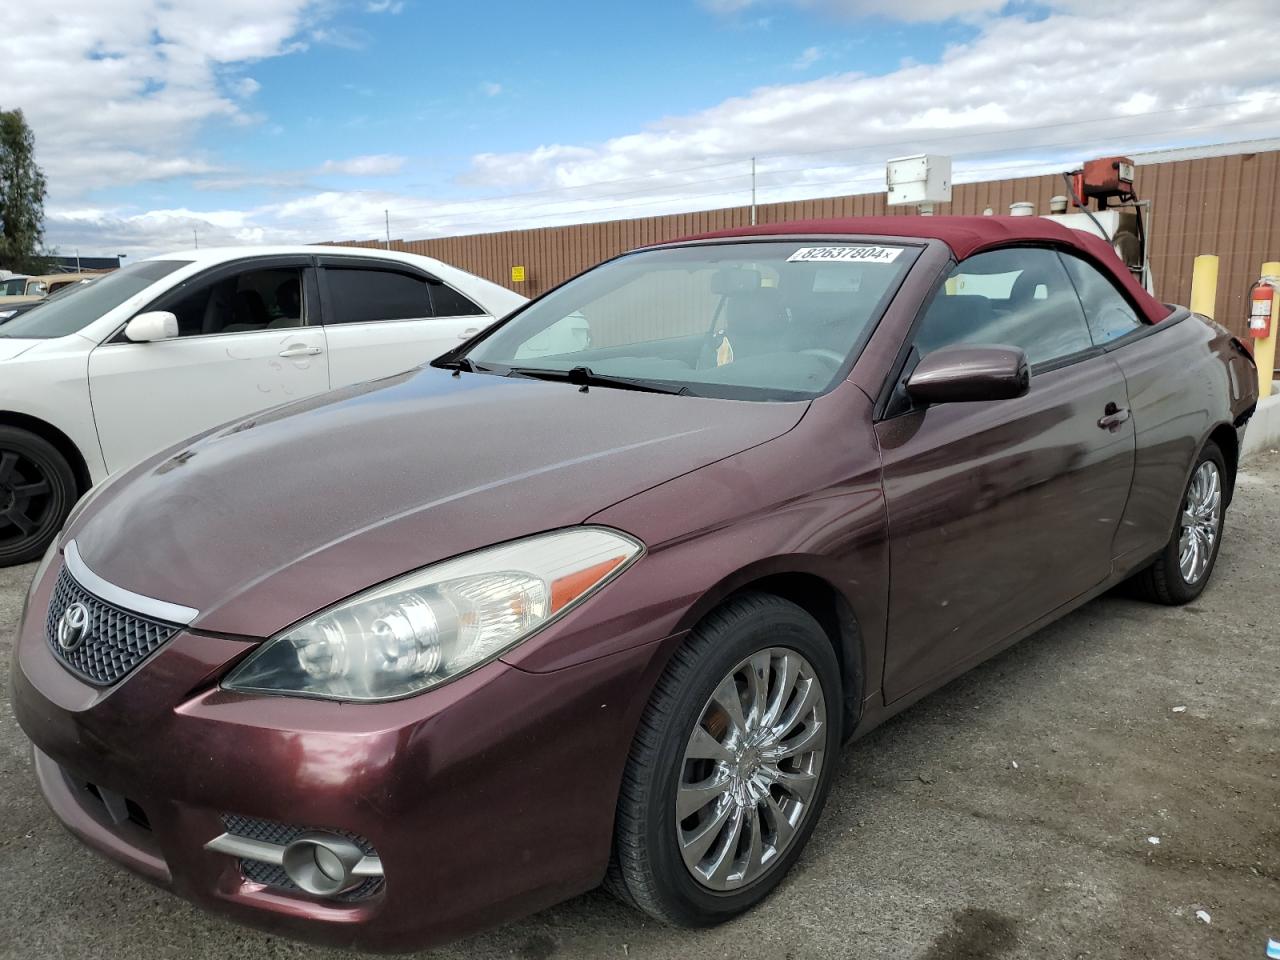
x: 808, y: 503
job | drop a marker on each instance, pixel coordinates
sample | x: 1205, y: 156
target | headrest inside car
x: 729, y: 280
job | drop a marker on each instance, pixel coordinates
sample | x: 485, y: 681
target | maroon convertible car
x: 598, y: 596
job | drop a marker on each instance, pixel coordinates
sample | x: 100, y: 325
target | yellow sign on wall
x: 517, y: 274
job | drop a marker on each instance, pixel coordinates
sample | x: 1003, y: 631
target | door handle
x: 300, y: 350
x: 468, y: 333
x: 1113, y: 416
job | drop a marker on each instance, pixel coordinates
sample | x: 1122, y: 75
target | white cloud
x: 345, y: 38
x: 978, y: 99
x: 808, y: 57
x: 490, y: 89
x: 246, y: 87
x: 909, y: 10
x: 384, y: 6
x: 370, y: 165
x: 1021, y: 97
x: 115, y: 90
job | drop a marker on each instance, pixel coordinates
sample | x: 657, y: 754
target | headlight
x: 426, y: 628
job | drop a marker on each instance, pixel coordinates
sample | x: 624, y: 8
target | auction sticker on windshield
x: 845, y: 254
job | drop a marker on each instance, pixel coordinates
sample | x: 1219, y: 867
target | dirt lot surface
x: 1013, y: 814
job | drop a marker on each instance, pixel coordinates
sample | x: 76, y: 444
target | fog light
x: 317, y: 862
x: 322, y: 864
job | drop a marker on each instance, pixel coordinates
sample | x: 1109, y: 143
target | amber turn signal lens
x: 569, y: 588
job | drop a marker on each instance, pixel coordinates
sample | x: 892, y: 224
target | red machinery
x: 1101, y: 180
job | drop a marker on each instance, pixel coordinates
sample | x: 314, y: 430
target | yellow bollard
x: 1264, y: 350
x: 1204, y: 285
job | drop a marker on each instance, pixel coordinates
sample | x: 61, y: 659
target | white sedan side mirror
x: 156, y: 325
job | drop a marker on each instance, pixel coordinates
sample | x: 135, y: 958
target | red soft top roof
x: 967, y: 236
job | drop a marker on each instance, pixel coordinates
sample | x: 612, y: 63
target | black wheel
x: 730, y: 766
x: 37, y: 491
x: 1183, y: 569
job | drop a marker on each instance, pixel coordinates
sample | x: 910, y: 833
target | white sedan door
x: 383, y: 318
x: 244, y: 345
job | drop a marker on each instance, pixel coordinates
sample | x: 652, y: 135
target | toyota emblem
x: 73, y: 626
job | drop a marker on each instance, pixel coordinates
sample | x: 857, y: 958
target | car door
x: 1175, y: 381
x: 1000, y: 512
x: 247, y: 340
x: 383, y: 317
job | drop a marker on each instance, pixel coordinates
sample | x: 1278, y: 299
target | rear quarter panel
x: 1185, y: 379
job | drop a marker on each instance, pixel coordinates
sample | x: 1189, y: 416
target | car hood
x: 262, y: 523
x: 9, y: 348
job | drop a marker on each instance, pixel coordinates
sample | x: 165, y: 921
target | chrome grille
x: 115, y: 641
x: 283, y: 834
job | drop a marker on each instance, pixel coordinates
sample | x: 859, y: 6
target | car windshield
x: 13, y: 287
x: 68, y: 315
x: 66, y: 290
x: 772, y: 320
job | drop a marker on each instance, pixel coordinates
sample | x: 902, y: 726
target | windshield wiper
x: 586, y: 377
x: 464, y: 365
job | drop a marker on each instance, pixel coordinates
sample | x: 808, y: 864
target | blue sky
x: 300, y: 120
x: 439, y: 83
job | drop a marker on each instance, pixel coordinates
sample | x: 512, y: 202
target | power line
x: 521, y: 214
x: 849, y: 148
x: 444, y: 209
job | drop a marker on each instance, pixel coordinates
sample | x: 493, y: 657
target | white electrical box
x: 922, y: 179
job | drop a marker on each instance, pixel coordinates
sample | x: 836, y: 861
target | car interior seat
x: 289, y: 303
x: 249, y: 312
x: 219, y: 308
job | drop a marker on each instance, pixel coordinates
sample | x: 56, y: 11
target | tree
x: 21, y: 195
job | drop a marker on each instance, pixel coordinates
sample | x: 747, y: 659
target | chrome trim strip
x: 273, y: 853
x: 122, y: 598
x: 247, y: 849
x: 368, y: 867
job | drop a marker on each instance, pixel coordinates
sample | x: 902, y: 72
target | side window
x: 448, y: 302
x: 244, y: 302
x: 1106, y: 309
x: 363, y: 296
x: 1020, y: 296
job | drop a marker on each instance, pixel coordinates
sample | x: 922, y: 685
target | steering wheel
x: 834, y: 356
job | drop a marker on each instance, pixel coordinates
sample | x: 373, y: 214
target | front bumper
x: 487, y: 798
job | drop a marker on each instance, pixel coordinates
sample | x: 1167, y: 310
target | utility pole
x: 77, y: 259
x: 753, y: 191
x: 387, y: 215
x: 195, y: 237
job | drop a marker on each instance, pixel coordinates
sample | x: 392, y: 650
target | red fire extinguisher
x: 1260, y: 297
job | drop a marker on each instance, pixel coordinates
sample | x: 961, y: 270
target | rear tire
x: 37, y: 491
x: 1184, y: 567
x: 768, y: 757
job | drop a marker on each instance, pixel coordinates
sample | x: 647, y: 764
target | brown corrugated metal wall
x: 1229, y: 206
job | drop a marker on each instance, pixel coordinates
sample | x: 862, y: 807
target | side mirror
x: 960, y: 374
x: 156, y: 325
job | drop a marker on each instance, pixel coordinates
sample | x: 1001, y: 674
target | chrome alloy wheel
x: 1201, y: 516
x: 750, y: 769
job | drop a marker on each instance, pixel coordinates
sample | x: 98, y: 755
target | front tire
x: 730, y: 766
x: 37, y: 491
x: 1183, y: 569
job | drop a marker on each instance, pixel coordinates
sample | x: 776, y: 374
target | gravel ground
x: 1012, y: 814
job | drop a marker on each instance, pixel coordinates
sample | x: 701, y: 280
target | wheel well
x: 824, y: 603
x: 1225, y: 437
x: 61, y: 442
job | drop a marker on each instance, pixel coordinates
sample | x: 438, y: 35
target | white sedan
x: 171, y: 346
